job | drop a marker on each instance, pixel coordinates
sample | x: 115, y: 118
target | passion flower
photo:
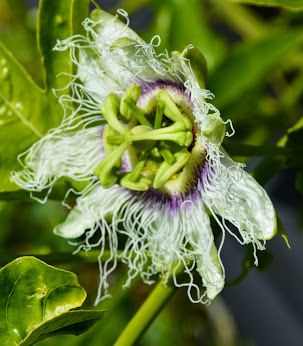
x: 139, y: 132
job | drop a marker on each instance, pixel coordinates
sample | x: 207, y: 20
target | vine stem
x: 54, y: 258
x: 235, y: 149
x: 149, y: 310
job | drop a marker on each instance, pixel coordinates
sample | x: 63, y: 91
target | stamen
x: 172, y: 111
x: 140, y: 165
x: 106, y: 170
x: 165, y: 171
x: 145, y: 143
x: 141, y: 184
x: 110, y: 110
x: 166, y: 154
x: 109, y: 147
x: 134, y: 180
x: 115, y: 139
x: 159, y: 151
x: 133, y: 93
x: 159, y: 115
x: 136, y: 111
x: 173, y: 133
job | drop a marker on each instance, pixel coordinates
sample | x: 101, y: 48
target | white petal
x: 75, y: 224
x: 91, y: 211
x: 245, y: 203
x: 104, y: 68
x: 110, y: 28
x: 171, y: 235
x: 71, y: 154
x: 201, y: 238
x: 117, y: 56
x: 96, y: 82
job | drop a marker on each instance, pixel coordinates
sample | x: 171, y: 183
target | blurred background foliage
x: 255, y: 62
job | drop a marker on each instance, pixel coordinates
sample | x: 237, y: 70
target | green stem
x: 147, y: 312
x: 268, y: 167
x: 96, y: 4
x: 91, y: 256
x: 235, y: 149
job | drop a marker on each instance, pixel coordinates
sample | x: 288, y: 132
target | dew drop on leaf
x: 19, y: 106
x: 58, y: 19
x: 4, y: 72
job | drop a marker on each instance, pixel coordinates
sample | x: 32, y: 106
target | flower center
x: 159, y: 141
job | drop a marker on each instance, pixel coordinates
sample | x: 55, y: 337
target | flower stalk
x: 149, y: 310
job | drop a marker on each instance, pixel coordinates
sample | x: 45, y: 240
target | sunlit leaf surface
x: 35, y: 302
x: 28, y: 111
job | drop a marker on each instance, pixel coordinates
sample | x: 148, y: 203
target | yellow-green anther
x: 171, y: 110
x: 115, y: 139
x: 155, y: 153
x: 166, y: 154
x: 110, y: 111
x: 128, y: 102
x: 214, y: 129
x: 141, y: 184
x: 109, y: 147
x: 175, y: 133
x: 106, y: 170
x: 189, y: 138
x: 134, y: 175
x: 166, y: 171
x: 145, y: 143
x: 159, y: 115
x: 133, y: 93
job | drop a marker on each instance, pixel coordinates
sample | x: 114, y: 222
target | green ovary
x: 161, y: 144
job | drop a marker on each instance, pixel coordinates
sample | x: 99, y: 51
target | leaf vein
x: 20, y: 116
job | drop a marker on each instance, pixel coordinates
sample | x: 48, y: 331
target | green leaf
x: 249, y: 64
x: 290, y: 4
x: 183, y: 22
x: 36, y: 300
x: 281, y: 231
x: 27, y: 111
x: 21, y: 102
x: 58, y: 20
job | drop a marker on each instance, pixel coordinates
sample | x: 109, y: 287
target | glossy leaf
x: 290, y: 4
x: 58, y: 20
x: 36, y: 300
x: 27, y: 111
x: 249, y: 64
x: 21, y: 103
